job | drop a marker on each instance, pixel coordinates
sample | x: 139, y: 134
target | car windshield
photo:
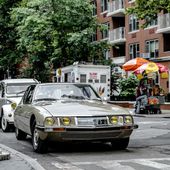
x: 65, y: 91
x: 16, y: 89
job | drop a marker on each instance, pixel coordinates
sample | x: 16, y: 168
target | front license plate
x: 100, y: 122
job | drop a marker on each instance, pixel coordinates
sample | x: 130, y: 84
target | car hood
x: 82, y: 108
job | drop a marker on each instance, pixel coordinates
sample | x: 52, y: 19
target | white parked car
x: 11, y: 92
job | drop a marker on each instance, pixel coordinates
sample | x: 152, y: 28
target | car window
x: 1, y: 90
x: 16, y: 88
x: 27, y: 99
x: 64, y: 91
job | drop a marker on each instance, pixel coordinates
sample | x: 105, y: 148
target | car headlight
x: 128, y: 120
x: 13, y: 105
x: 114, y: 120
x: 66, y: 121
x: 49, y: 121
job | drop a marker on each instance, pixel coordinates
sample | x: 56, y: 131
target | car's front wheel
x: 20, y: 135
x: 4, y: 124
x: 39, y: 145
x: 120, y: 144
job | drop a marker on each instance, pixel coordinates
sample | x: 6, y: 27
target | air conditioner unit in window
x: 145, y: 55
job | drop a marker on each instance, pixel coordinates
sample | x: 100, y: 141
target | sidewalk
x: 165, y: 114
x: 14, y: 160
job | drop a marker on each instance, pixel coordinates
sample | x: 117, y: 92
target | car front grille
x: 93, y: 121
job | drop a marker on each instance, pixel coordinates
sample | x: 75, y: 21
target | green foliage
x: 128, y: 85
x: 56, y: 31
x: 8, y: 51
x: 147, y: 10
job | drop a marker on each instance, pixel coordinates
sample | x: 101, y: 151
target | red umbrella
x: 133, y: 64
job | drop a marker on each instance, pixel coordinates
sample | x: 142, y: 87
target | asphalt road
x: 149, y: 149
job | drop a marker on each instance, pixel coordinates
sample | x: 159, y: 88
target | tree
x: 147, y: 10
x: 55, y: 33
x: 127, y: 86
x: 8, y: 50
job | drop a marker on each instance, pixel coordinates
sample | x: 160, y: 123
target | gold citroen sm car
x: 70, y: 112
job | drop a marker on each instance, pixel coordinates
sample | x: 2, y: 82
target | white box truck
x: 96, y: 75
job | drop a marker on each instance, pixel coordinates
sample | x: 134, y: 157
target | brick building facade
x: 128, y: 40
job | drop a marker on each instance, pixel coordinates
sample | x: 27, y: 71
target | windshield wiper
x: 46, y: 99
x: 73, y: 97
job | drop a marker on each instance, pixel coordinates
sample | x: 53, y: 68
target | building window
x: 106, y: 54
x: 152, y: 22
x: 94, y: 3
x: 103, y: 5
x: 90, y: 81
x: 133, y: 23
x: 166, y: 38
x: 134, y: 50
x: 102, y: 78
x: 152, y: 47
x: 94, y: 36
x: 105, y: 31
x: 82, y: 78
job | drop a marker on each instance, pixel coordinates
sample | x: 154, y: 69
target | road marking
x: 111, y: 165
x: 66, y: 166
x: 153, y: 122
x: 116, y: 164
x: 153, y: 164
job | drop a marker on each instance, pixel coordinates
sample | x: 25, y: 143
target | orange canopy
x: 133, y: 64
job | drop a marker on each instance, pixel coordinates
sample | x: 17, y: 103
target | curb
x: 4, y: 155
x: 31, y: 162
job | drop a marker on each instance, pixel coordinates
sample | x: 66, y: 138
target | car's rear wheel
x: 20, y: 135
x: 120, y: 144
x: 4, y: 124
x: 39, y: 145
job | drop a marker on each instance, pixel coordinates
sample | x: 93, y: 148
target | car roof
x: 62, y: 84
x: 22, y: 80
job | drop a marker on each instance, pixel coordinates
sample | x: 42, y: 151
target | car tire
x: 20, y: 135
x: 39, y: 145
x: 120, y: 144
x: 4, y: 124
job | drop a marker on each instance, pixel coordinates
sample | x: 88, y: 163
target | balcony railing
x: 164, y: 23
x: 117, y: 35
x: 116, y: 8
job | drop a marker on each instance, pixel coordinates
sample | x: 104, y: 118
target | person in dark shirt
x: 141, y: 96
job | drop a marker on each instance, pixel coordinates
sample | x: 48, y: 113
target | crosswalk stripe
x: 153, y: 164
x: 116, y: 164
x: 66, y: 166
x: 113, y: 165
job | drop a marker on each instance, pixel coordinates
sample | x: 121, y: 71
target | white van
x: 96, y: 75
x: 11, y: 92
